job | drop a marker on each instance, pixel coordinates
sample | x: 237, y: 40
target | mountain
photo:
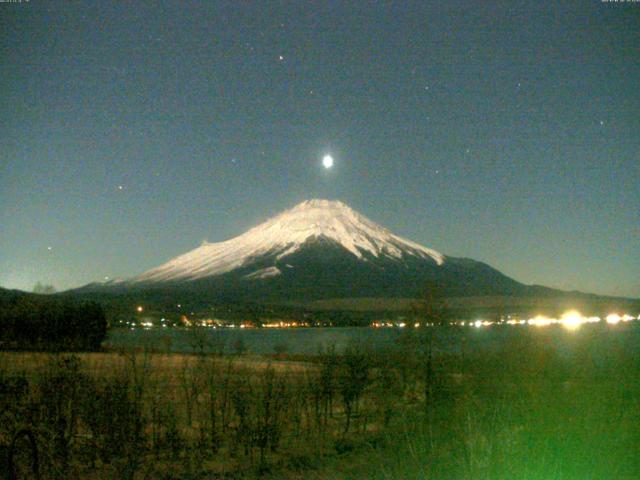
x: 319, y: 249
x: 329, y: 222
x: 7, y: 295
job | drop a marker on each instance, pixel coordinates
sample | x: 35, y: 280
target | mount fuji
x: 319, y: 249
x: 331, y: 222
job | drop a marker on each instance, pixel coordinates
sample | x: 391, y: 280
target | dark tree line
x: 37, y: 323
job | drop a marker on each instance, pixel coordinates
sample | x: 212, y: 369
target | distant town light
x: 613, y: 318
x: 540, y: 321
x: 572, y: 319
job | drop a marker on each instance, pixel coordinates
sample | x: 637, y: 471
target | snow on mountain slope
x: 285, y: 234
x: 263, y: 273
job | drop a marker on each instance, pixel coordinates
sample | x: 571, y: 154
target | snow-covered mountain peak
x: 317, y: 217
x: 285, y: 234
x: 322, y: 203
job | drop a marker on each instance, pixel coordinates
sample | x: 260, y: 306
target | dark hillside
x: 43, y: 322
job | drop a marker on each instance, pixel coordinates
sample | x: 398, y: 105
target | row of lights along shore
x: 571, y: 320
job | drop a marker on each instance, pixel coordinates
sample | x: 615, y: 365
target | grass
x: 103, y: 363
x: 544, y: 404
x: 526, y: 412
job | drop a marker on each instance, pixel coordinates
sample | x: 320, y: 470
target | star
x: 281, y: 58
x: 601, y: 123
x: 49, y: 248
x: 120, y: 187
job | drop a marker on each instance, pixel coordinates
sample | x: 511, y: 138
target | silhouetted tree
x: 433, y: 312
x: 51, y: 324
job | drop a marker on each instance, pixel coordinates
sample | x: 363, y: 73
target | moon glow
x: 327, y: 161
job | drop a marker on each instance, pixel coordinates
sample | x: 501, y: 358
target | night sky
x: 132, y: 131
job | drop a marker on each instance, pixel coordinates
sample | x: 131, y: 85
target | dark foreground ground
x: 543, y: 404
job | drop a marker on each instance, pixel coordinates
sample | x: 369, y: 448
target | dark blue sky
x: 510, y: 133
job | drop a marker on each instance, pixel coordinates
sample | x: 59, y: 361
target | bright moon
x: 327, y: 161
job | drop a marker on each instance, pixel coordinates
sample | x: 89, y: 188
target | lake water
x: 312, y: 340
x: 257, y: 341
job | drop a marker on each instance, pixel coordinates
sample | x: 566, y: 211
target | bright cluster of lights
x: 382, y: 325
x: 614, y: 318
x: 482, y: 323
x: 285, y: 324
x: 571, y: 320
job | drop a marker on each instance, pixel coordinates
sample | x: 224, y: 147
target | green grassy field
x: 522, y: 413
x: 546, y: 404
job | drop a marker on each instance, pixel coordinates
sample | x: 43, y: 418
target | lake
x: 304, y: 341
